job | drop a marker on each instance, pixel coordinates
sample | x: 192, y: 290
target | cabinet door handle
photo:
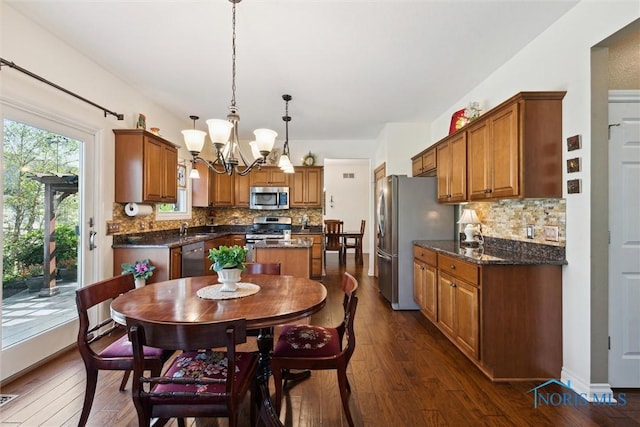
x: 453, y: 266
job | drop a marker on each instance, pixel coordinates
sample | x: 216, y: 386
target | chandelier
x: 224, y: 133
x: 285, y: 159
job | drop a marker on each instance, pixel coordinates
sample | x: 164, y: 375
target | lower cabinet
x: 506, y: 318
x: 316, y: 253
x: 175, y: 271
x: 425, y: 281
x: 458, y: 313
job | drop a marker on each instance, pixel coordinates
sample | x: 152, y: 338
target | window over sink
x: 182, y: 208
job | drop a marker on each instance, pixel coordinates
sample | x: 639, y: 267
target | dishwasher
x: 193, y: 260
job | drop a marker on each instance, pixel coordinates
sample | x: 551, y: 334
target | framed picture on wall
x: 182, y: 176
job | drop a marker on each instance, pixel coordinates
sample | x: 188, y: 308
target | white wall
x: 559, y: 59
x: 351, y: 198
x: 36, y: 50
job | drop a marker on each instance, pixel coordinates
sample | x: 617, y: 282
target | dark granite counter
x: 172, y: 239
x: 499, y: 251
x: 285, y: 244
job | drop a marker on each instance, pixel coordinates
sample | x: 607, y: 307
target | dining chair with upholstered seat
x: 318, y: 348
x: 199, y: 382
x: 117, y: 356
x: 354, y: 242
x: 262, y: 268
x: 333, y: 237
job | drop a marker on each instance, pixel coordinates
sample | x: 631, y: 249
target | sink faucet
x: 305, y: 221
x: 183, y: 228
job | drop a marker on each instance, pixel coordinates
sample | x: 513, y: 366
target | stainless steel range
x: 264, y: 228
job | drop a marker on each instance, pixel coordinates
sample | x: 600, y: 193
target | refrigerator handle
x: 383, y: 255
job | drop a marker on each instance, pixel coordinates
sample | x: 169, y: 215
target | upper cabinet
x: 512, y: 151
x: 213, y: 189
x: 145, y: 168
x: 515, y: 150
x: 269, y: 176
x: 306, y: 187
x: 424, y: 163
x: 452, y: 169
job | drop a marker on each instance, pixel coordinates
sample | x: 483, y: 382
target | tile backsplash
x: 202, y: 216
x: 508, y: 219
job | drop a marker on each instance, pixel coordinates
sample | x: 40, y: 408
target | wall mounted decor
x: 573, y: 165
x: 573, y: 186
x: 574, y: 143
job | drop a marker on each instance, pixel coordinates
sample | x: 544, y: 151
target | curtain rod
x: 43, y: 80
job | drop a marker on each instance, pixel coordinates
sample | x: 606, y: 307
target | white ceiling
x: 351, y: 66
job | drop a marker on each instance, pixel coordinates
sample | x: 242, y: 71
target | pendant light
x: 224, y: 132
x: 285, y: 159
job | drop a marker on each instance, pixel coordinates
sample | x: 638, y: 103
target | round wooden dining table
x: 281, y: 299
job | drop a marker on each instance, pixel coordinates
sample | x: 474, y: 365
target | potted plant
x: 229, y: 263
x: 34, y: 277
x: 141, y: 270
x: 68, y: 270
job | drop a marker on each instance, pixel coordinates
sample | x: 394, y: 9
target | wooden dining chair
x: 118, y: 356
x: 198, y: 382
x: 355, y: 243
x: 333, y: 237
x: 319, y: 348
x: 262, y: 268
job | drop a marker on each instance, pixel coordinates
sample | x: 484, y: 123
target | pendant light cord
x: 233, y: 59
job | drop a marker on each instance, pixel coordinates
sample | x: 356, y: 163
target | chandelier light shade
x: 224, y: 133
x: 285, y: 161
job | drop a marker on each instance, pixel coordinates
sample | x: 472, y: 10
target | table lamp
x: 470, y: 218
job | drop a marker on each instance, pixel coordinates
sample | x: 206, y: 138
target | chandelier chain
x: 233, y: 58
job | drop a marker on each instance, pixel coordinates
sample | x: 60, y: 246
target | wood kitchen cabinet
x: 425, y: 291
x: 145, y: 167
x: 175, y: 271
x: 452, y: 169
x: 506, y: 318
x: 269, y: 176
x: 306, y: 187
x: 242, y: 190
x: 424, y: 163
x: 458, y: 302
x: 515, y: 150
x: 316, y: 253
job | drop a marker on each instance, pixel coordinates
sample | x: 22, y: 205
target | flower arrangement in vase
x: 141, y: 270
x: 229, y: 263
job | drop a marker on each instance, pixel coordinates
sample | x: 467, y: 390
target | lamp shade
x: 194, y: 139
x: 219, y: 130
x: 469, y: 217
x: 265, y: 139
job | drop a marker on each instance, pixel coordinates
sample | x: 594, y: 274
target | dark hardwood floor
x: 404, y: 372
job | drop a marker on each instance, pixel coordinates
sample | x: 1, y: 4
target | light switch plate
x: 113, y: 227
x: 530, y: 231
x: 551, y: 233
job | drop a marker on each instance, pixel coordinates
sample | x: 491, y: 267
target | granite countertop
x: 172, y: 239
x: 284, y: 244
x: 499, y: 251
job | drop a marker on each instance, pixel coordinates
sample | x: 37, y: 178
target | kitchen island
x: 294, y: 255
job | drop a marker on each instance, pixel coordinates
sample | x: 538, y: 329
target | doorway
x: 624, y: 250
x: 47, y: 212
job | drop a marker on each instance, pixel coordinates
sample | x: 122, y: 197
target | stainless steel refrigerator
x: 407, y: 210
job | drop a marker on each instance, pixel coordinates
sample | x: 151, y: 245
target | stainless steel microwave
x: 269, y: 198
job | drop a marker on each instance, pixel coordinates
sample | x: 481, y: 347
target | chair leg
x: 344, y: 394
x: 277, y: 380
x: 125, y: 378
x: 89, y: 393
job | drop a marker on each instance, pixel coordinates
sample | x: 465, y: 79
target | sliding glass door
x: 47, y: 215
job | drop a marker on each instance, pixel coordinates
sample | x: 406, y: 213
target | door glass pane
x: 40, y: 231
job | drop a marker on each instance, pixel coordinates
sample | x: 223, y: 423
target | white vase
x: 229, y: 277
x: 140, y: 282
